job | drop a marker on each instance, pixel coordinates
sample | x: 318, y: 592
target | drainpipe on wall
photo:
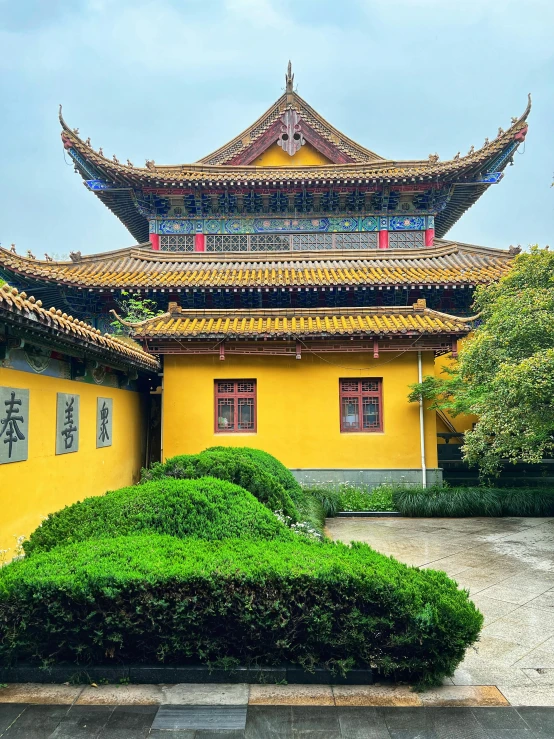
x: 162, y: 404
x: 421, y: 425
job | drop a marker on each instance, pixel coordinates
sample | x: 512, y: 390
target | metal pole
x: 421, y: 425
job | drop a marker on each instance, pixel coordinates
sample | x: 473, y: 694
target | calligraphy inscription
x: 104, y: 410
x: 14, y: 425
x: 67, y: 423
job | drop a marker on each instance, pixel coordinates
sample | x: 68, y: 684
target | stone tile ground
x: 507, y: 564
x: 43, y: 721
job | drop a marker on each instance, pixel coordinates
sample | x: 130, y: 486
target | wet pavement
x: 271, y: 722
x: 507, y: 564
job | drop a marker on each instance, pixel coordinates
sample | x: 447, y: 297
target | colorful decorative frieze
x: 341, y: 224
x: 44, y: 362
x: 406, y: 223
x: 96, y: 185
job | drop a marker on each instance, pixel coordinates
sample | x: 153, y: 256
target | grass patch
x: 474, y: 501
x: 346, y: 497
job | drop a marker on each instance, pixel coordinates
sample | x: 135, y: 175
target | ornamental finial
x: 289, y: 79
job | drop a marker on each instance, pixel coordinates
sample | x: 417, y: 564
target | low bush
x: 378, y: 499
x: 158, y: 598
x: 474, y: 501
x: 205, y: 509
x: 327, y: 498
x: 346, y: 497
x: 268, y: 462
x: 235, y: 468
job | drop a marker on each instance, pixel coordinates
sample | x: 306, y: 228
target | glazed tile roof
x: 16, y: 309
x: 373, y: 168
x: 227, y: 153
x: 139, y: 267
x: 184, y: 324
x: 363, y: 167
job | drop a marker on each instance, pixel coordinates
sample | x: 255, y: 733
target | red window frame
x: 358, y: 390
x: 231, y: 392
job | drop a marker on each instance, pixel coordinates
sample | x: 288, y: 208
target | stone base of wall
x: 368, y: 478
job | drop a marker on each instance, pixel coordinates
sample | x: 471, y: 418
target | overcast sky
x: 172, y: 80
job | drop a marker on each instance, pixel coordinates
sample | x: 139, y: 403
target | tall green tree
x: 134, y: 308
x: 505, y: 371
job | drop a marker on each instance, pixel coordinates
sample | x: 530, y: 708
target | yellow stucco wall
x: 45, y: 482
x: 275, y: 156
x: 298, y: 409
x: 460, y: 422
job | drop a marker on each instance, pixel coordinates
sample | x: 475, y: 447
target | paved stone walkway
x: 508, y: 566
x: 24, y: 721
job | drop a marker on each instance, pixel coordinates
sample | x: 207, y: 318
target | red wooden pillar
x: 199, y: 242
x: 429, y: 236
x: 155, y: 241
x: 383, y: 239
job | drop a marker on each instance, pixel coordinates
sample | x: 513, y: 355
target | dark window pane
x: 245, y: 413
x: 371, y: 413
x: 350, y: 413
x: 370, y: 386
x: 349, y: 386
x: 226, y: 414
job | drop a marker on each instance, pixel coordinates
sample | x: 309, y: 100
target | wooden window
x: 235, y: 406
x: 361, y: 405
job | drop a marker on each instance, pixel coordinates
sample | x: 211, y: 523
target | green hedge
x: 268, y: 462
x: 205, y: 509
x: 235, y: 468
x: 346, y: 497
x: 477, y: 501
x: 157, y: 598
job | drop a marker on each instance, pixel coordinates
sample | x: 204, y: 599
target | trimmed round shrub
x: 268, y: 462
x: 235, y: 468
x: 205, y: 509
x: 158, y: 598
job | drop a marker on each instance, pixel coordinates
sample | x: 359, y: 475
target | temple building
x: 304, y: 283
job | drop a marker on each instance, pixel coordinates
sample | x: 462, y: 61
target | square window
x: 361, y: 405
x: 235, y: 406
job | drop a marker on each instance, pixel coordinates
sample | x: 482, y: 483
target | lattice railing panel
x: 304, y: 242
x: 406, y: 239
x: 363, y: 240
x: 177, y: 243
x: 234, y: 242
x: 269, y: 242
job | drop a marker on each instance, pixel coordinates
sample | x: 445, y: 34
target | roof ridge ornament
x: 289, y: 80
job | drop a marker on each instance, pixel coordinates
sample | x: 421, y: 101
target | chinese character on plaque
x: 14, y: 424
x: 104, y: 409
x: 67, y: 423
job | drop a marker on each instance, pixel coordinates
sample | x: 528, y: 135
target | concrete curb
x: 367, y: 514
x: 220, y: 694
x: 173, y: 674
